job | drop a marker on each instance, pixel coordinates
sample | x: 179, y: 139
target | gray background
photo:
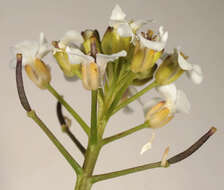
x: 29, y: 161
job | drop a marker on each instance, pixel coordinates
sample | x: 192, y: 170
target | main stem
x: 94, y: 146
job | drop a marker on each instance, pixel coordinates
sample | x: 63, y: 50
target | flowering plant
x: 110, y: 67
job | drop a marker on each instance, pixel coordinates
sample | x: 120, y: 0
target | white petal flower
x: 124, y: 27
x: 157, y: 44
x: 76, y: 56
x: 71, y: 38
x: 194, y: 72
x: 31, y: 50
x: 176, y: 100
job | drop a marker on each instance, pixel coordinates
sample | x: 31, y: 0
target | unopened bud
x: 39, y: 73
x: 91, y: 42
x: 159, y: 115
x: 90, y: 76
x: 112, y: 42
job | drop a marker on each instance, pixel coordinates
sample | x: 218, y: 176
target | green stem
x: 106, y: 176
x: 69, y: 109
x: 124, y: 133
x: 93, y: 136
x: 120, y: 93
x: 136, y: 96
x: 54, y: 140
x: 173, y: 160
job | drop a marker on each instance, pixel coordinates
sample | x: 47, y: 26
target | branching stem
x: 82, y: 123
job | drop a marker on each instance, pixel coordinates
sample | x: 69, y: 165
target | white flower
x: 159, y: 111
x: 31, y: 50
x: 71, y: 39
x: 76, y: 57
x: 125, y: 28
x: 158, y: 44
x: 175, y: 100
x: 193, y: 71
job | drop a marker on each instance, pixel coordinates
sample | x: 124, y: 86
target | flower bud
x: 143, y: 58
x: 169, y: 70
x: 112, y: 42
x: 39, y: 73
x: 62, y: 58
x: 158, y: 115
x: 91, y: 42
x: 90, y: 76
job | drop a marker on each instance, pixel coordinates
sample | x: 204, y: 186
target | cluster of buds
x: 123, y: 50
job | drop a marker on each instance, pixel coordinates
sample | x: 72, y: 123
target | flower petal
x: 71, y: 37
x: 124, y: 30
x: 117, y: 13
x: 44, y: 47
x: 136, y: 25
x: 182, y: 103
x: 169, y: 92
x: 183, y: 63
x: 195, y: 74
x: 155, y: 45
x: 76, y: 56
x: 28, y: 49
x: 163, y: 35
x: 102, y: 60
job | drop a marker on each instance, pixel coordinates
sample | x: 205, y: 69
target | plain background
x: 29, y: 161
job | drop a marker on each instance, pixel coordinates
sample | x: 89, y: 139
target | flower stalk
x: 175, y: 159
x: 135, y: 97
x: 74, y: 164
x: 124, y: 133
x: 82, y: 123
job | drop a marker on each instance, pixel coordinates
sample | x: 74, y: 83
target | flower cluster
x: 117, y: 69
x: 123, y: 58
